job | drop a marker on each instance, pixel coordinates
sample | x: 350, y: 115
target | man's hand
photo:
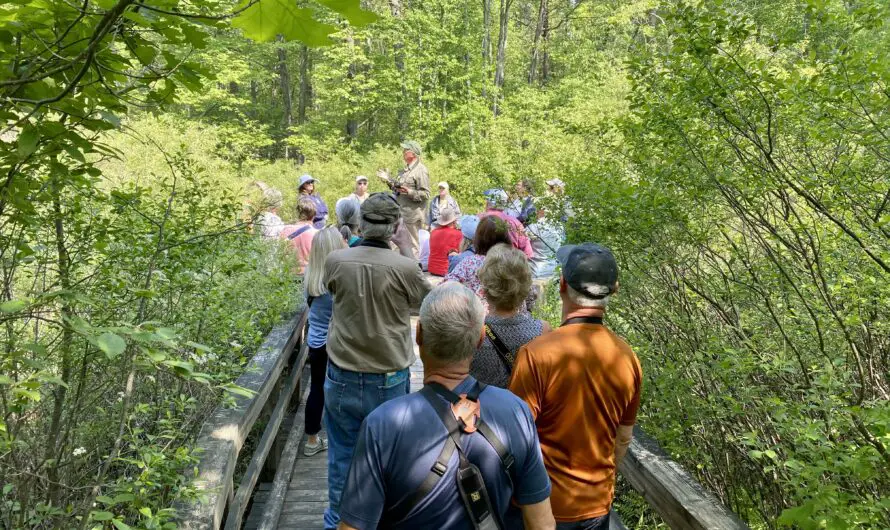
x: 538, y: 516
x: 383, y: 174
x: 402, y: 189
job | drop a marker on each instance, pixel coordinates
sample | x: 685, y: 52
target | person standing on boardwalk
x: 506, y: 282
x: 307, y: 190
x: 369, y: 342
x: 412, y: 188
x: 299, y: 236
x: 582, y: 383
x: 441, y: 202
x: 361, y: 190
x: 321, y: 305
x: 410, y: 450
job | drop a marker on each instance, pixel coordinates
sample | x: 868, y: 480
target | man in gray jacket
x: 369, y: 342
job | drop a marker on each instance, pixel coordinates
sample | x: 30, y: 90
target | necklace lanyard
x: 583, y: 320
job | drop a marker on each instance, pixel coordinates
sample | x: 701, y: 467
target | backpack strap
x: 502, y: 350
x: 299, y: 231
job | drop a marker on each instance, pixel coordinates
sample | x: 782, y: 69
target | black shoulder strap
x: 503, y: 352
x: 401, y: 510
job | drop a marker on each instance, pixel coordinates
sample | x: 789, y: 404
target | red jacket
x: 442, y: 240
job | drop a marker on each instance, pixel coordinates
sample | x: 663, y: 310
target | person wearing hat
x: 495, y: 203
x: 307, y: 189
x: 445, y: 236
x: 412, y: 188
x: 582, y: 383
x: 468, y: 225
x: 361, y: 189
x: 369, y: 343
x: 442, y: 201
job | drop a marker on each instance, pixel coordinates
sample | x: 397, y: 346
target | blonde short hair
x: 505, y: 277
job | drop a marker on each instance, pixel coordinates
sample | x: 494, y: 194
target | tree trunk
x: 305, y: 85
x: 545, y: 53
x: 351, y: 122
x: 486, y: 35
x: 395, y: 7
x: 284, y: 77
x: 502, y: 54
x: 536, y: 42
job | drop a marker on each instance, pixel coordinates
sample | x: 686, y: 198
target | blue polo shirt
x: 400, y: 441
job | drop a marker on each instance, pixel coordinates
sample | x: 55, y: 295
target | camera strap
x: 503, y: 352
x: 469, y: 479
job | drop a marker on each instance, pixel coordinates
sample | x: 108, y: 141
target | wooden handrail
x: 678, y: 498
x: 223, y: 434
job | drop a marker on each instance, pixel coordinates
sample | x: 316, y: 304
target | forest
x: 735, y: 154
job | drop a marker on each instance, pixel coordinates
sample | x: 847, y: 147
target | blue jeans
x: 348, y: 398
x: 597, y: 523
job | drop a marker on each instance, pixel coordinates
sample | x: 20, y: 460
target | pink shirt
x: 517, y: 231
x: 302, y: 244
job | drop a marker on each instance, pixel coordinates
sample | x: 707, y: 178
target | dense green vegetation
x: 735, y: 155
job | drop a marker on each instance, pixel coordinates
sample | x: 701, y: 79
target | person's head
x: 272, y: 199
x: 556, y: 186
x: 491, y: 231
x: 348, y: 216
x: 410, y: 151
x: 361, y: 185
x: 524, y: 188
x: 589, y: 276
x: 307, y: 184
x: 495, y: 199
x: 305, y: 209
x: 505, y: 277
x: 323, y: 243
x: 447, y: 217
x: 468, y: 225
x: 379, y: 216
x: 443, y: 190
x: 450, y: 325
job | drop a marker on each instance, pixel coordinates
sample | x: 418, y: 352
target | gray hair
x: 451, y: 317
x: 347, y: 211
x: 581, y: 300
x: 379, y: 231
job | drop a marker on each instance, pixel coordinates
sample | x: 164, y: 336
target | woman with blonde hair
x: 321, y: 306
x: 506, y: 282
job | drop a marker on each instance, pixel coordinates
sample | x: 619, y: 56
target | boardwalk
x: 307, y: 495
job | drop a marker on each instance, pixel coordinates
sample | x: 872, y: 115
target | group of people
x: 518, y: 424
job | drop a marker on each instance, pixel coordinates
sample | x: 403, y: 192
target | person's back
x: 582, y: 383
x: 404, y: 436
x: 374, y: 291
x: 442, y: 240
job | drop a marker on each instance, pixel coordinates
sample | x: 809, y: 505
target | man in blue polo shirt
x: 401, y: 441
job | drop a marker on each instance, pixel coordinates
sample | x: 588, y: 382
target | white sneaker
x: 310, y: 449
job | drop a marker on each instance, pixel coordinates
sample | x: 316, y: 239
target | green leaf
x: 13, y: 306
x: 104, y: 499
x: 101, y: 516
x: 266, y: 19
x: 120, y: 525
x: 6, y: 380
x: 124, y: 497
x: 145, y: 511
x: 238, y: 390
x: 27, y: 141
x: 351, y: 9
x: 112, y: 345
x: 181, y: 367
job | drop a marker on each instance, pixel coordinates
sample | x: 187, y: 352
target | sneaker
x: 311, y: 449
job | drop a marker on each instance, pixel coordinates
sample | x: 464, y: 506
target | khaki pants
x: 413, y: 220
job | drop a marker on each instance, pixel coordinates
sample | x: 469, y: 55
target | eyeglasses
x: 362, y: 183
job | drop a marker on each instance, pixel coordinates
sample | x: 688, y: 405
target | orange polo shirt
x: 581, y: 382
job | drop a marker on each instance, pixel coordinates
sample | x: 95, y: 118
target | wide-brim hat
x: 305, y: 179
x: 589, y: 268
x: 468, y: 225
x: 446, y: 217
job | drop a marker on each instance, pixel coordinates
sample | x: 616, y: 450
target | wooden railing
x: 274, y: 377
x: 274, y: 374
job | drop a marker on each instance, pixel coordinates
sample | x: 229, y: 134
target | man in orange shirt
x: 582, y: 383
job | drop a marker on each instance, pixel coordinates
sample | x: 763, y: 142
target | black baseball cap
x: 589, y: 268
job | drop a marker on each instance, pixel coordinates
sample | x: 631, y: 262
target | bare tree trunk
x: 502, y: 54
x: 284, y: 77
x: 305, y: 85
x: 351, y: 122
x: 545, y: 53
x: 395, y: 7
x: 536, y: 49
x: 486, y: 36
